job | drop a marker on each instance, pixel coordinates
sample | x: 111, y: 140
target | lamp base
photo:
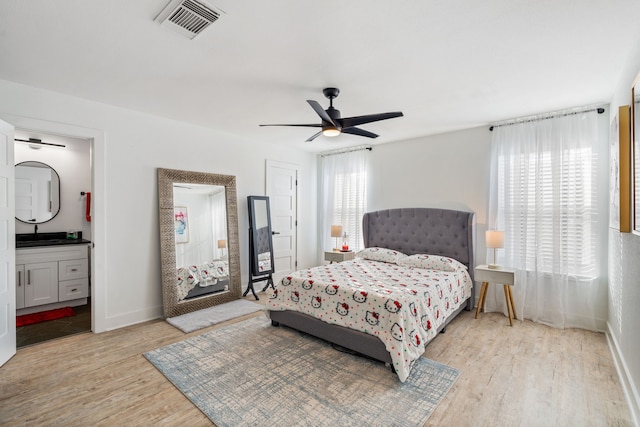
x: 494, y: 266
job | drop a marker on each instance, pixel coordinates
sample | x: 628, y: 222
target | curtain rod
x: 347, y: 150
x: 599, y: 110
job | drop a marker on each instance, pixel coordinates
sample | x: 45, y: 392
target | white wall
x: 449, y: 171
x: 624, y: 274
x: 128, y: 148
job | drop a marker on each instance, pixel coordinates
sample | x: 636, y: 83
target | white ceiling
x: 446, y: 65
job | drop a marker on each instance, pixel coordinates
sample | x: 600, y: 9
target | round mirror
x: 37, y: 192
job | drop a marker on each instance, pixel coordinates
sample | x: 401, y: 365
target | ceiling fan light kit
x: 332, y: 124
x: 330, y: 132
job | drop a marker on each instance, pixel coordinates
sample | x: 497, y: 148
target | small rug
x: 210, y: 316
x: 43, y: 316
x: 251, y: 373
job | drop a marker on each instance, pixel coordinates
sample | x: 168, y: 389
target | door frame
x: 96, y: 139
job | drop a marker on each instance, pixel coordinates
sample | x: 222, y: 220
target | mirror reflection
x: 262, y: 236
x: 200, y: 219
x: 37, y: 192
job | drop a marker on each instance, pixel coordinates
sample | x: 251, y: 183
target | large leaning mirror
x: 198, y: 240
x: 37, y: 192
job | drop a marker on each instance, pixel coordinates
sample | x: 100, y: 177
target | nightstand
x: 501, y: 275
x: 335, y: 256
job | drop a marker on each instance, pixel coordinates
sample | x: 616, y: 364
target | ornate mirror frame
x: 166, y: 179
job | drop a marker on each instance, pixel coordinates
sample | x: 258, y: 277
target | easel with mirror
x: 261, y: 264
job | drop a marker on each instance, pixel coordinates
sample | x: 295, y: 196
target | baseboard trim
x: 628, y: 386
x: 133, y: 318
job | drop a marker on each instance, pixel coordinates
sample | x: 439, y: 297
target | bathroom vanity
x: 51, y: 273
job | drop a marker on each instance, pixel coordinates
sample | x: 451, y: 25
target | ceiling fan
x: 333, y: 124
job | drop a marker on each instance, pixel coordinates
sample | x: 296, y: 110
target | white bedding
x: 403, y: 306
x: 203, y: 275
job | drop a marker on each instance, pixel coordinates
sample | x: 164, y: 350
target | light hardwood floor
x: 525, y: 375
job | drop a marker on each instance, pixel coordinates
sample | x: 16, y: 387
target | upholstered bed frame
x: 411, y: 231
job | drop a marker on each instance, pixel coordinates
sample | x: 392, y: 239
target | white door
x: 282, y: 189
x: 7, y: 246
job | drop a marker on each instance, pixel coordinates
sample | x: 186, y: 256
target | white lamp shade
x: 222, y: 244
x: 494, y: 238
x: 336, y: 231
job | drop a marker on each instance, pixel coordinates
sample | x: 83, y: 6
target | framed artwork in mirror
x: 181, y: 222
x: 196, y: 272
x: 635, y: 142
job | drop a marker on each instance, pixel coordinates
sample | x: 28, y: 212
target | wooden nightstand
x: 505, y: 276
x: 335, y: 256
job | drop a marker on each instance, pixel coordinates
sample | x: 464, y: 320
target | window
x: 544, y: 194
x: 344, y: 196
x: 547, y: 199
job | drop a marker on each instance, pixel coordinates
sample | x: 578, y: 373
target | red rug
x: 43, y: 316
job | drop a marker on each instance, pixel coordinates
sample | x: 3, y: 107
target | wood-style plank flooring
x: 525, y: 375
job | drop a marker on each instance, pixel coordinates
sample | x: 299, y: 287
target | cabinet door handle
x: 19, y: 278
x: 74, y: 289
x: 74, y: 269
x: 28, y: 277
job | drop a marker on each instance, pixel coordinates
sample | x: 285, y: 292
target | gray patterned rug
x: 251, y: 373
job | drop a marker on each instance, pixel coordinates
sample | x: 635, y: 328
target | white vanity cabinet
x: 54, y: 276
x: 37, y: 285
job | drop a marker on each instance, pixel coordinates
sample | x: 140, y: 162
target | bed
x: 413, y: 278
x: 197, y: 280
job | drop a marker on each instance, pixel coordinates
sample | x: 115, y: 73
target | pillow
x: 431, y: 262
x: 381, y: 254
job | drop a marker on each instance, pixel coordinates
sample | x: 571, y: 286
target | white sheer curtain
x: 546, y: 193
x: 218, y: 205
x: 343, y: 196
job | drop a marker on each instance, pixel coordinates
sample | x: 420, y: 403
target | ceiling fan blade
x: 314, y: 125
x: 360, y: 120
x: 359, y: 132
x: 314, y: 136
x: 323, y: 114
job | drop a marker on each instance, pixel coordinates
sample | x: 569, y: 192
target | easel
x: 254, y: 279
x: 260, y: 243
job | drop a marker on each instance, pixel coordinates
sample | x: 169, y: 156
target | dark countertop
x: 32, y: 240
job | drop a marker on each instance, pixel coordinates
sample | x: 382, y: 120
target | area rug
x: 43, y: 316
x: 251, y: 373
x: 210, y: 316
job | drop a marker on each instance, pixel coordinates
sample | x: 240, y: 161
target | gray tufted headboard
x: 423, y: 230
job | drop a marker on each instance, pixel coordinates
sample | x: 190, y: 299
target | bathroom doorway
x: 62, y: 305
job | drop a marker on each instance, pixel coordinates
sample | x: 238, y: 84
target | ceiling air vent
x: 188, y: 17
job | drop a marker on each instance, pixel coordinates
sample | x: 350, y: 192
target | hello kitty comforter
x: 402, y: 300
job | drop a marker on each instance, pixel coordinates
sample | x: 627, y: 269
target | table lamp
x: 495, y: 240
x: 336, y: 231
x: 222, y: 243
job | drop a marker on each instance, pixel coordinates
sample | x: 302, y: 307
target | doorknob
x: 275, y: 232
